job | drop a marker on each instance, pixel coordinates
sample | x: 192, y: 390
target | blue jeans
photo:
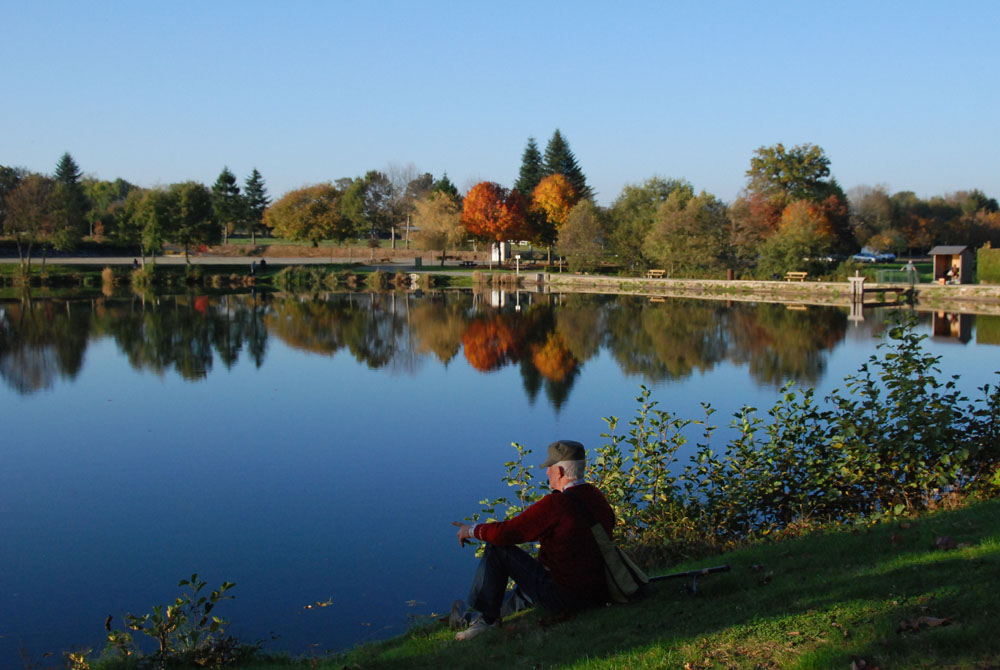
x: 534, y: 585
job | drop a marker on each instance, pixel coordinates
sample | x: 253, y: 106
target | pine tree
x: 445, y: 185
x: 255, y: 196
x: 70, y: 204
x: 559, y: 159
x: 532, y: 170
x: 227, y: 203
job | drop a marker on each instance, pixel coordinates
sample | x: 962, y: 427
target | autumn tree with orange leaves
x: 551, y: 202
x: 495, y: 213
x: 489, y: 343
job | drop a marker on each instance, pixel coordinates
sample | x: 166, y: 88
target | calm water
x: 315, y: 450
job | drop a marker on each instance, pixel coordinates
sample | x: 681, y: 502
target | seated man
x: 569, y: 572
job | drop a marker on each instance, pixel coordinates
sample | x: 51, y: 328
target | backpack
x: 623, y: 577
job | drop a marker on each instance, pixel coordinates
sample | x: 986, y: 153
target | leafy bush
x: 187, y: 633
x: 896, y: 441
x: 988, y: 265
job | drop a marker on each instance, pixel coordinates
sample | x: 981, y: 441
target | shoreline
x: 962, y: 298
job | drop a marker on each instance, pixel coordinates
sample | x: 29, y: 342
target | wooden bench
x: 795, y: 276
x: 655, y: 274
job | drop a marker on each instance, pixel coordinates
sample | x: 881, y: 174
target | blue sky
x: 897, y: 93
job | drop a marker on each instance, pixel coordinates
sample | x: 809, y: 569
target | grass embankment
x: 908, y: 594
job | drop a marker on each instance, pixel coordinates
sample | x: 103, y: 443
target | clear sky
x: 897, y: 93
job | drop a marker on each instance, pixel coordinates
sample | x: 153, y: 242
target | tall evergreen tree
x: 69, y: 204
x: 227, y: 203
x: 532, y: 169
x: 559, y: 159
x: 445, y: 185
x: 256, y: 199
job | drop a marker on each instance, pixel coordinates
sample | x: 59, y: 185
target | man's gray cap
x: 564, y: 450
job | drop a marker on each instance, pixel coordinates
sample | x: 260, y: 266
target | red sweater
x: 568, y: 548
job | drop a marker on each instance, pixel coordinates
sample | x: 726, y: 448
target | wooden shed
x: 952, y: 264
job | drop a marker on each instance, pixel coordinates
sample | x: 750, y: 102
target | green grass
x: 815, y: 601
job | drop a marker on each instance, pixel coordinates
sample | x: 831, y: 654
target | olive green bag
x: 624, y: 578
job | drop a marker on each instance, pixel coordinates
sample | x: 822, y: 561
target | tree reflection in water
x: 550, y: 337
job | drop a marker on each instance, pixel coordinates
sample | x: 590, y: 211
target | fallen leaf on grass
x: 922, y: 622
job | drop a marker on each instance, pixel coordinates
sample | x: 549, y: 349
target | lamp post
x: 517, y: 265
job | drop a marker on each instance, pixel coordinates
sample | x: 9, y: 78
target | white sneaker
x: 477, y: 627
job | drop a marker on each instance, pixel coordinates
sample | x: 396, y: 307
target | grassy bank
x: 913, y: 594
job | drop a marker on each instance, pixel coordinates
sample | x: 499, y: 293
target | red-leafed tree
x: 495, y: 213
x: 489, y: 343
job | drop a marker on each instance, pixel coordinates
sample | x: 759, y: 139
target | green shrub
x: 897, y: 441
x: 187, y: 633
x: 988, y: 265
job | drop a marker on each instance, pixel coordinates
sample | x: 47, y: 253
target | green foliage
x: 69, y: 204
x: 896, y: 441
x: 633, y: 214
x: 257, y: 201
x: 186, y: 632
x: 689, y: 237
x: 193, y: 222
x: 559, y: 159
x: 637, y: 474
x: 988, y: 265
x: 532, y: 170
x: 799, y: 173
x: 519, y: 477
x: 228, y: 204
x: 367, y: 204
x: 311, y: 213
x: 580, y: 237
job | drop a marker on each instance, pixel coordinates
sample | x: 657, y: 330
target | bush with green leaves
x: 896, y: 440
x: 186, y: 633
x: 988, y: 265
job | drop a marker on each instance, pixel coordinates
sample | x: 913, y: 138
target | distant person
x: 253, y: 268
x: 263, y: 263
x: 135, y: 264
x: 568, y: 574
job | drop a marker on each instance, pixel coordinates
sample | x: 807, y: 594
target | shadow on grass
x: 814, y: 601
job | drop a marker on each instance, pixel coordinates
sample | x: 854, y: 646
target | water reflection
x: 548, y: 337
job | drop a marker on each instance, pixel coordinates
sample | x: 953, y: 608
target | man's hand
x: 464, y: 532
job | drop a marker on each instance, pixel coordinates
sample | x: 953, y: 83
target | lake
x: 314, y: 450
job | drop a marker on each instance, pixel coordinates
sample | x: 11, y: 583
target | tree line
x: 791, y: 214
